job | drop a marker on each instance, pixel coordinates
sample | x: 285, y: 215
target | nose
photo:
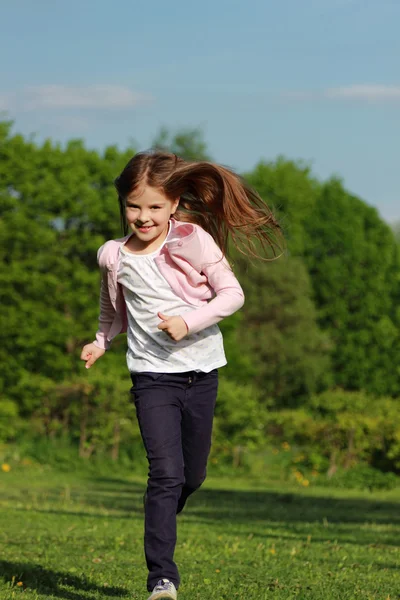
x: 143, y: 218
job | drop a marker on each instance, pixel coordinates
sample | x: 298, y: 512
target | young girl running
x: 168, y: 283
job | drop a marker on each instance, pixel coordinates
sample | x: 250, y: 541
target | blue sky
x: 316, y: 80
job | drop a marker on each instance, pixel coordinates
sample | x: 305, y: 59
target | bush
x: 10, y: 422
x: 345, y: 428
x: 239, y: 423
x: 361, y: 477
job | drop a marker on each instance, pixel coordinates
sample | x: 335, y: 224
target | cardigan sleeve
x: 229, y: 296
x: 107, y: 311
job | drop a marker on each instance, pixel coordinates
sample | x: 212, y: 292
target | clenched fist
x: 175, y: 327
x: 90, y: 353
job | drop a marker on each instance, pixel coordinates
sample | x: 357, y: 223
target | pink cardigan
x: 191, y: 264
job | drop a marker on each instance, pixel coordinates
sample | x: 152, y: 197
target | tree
x: 336, y: 293
x: 396, y: 231
x: 354, y: 265
x: 279, y: 331
x: 58, y: 205
x: 186, y: 143
x: 291, y: 192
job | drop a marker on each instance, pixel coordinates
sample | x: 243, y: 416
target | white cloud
x: 365, y: 92
x: 55, y: 97
x: 358, y: 92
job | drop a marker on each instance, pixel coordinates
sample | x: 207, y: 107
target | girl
x: 168, y: 283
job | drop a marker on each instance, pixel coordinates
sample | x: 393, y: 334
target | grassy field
x: 79, y: 536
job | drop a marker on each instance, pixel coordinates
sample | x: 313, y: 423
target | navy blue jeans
x: 175, y: 413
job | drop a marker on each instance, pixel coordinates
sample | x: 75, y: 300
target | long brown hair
x: 212, y: 196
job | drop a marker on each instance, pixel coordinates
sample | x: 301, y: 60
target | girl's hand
x: 175, y: 327
x: 90, y: 353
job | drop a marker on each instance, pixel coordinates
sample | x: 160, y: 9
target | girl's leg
x: 197, y: 420
x: 159, y: 400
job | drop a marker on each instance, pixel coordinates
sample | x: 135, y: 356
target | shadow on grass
x: 238, y: 506
x: 349, y: 520
x: 245, y: 506
x: 122, y: 499
x: 120, y: 496
x: 51, y: 583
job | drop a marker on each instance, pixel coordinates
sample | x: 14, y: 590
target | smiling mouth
x: 145, y: 229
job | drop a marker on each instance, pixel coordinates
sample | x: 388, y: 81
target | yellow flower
x: 299, y: 458
x: 20, y: 584
x: 305, y: 482
x: 5, y: 467
x: 272, y: 551
x: 286, y: 446
x: 218, y: 570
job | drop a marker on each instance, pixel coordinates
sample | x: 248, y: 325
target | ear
x: 175, y: 205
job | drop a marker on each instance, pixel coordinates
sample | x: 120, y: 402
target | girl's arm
x: 107, y: 311
x: 92, y: 352
x: 229, y: 296
x: 106, y: 316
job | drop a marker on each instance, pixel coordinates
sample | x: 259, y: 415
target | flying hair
x: 212, y: 196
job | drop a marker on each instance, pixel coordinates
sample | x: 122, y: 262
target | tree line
x: 313, y: 354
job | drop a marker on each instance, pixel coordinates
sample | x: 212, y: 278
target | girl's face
x: 147, y: 214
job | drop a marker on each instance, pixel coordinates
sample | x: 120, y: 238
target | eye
x: 156, y: 207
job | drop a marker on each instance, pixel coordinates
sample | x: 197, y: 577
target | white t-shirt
x: 147, y: 293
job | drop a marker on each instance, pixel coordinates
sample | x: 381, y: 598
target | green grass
x: 76, y: 536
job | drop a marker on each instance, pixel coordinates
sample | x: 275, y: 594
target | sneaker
x: 164, y: 589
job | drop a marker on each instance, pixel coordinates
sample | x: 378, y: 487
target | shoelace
x: 164, y: 586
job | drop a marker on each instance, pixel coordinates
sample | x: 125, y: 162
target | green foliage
x: 396, y: 231
x: 354, y: 265
x: 290, y: 353
x: 290, y: 190
x: 325, y: 316
x: 57, y: 206
x: 240, y: 367
x: 239, y: 419
x: 362, y: 477
x: 345, y: 427
x: 9, y: 420
x: 186, y: 143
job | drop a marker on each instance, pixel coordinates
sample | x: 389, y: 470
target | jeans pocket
x: 144, y: 378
